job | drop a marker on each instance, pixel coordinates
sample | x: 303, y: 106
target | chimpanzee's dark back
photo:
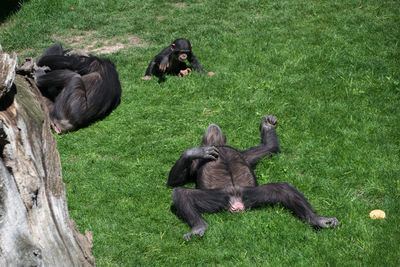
x: 101, y: 79
x: 230, y: 169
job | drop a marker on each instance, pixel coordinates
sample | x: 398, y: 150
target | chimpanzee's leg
x: 191, y: 203
x: 288, y: 196
x: 55, y: 49
x: 60, y: 62
x: 51, y: 83
x: 269, y: 142
x: 70, y: 101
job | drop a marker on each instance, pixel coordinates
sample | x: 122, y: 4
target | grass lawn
x: 329, y: 71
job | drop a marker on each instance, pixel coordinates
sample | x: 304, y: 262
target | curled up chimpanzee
x: 79, y: 88
x: 225, y: 180
x: 171, y: 60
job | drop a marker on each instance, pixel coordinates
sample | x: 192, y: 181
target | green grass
x: 329, y: 70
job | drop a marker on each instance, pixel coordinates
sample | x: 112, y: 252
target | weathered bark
x: 35, y: 228
x: 7, y: 72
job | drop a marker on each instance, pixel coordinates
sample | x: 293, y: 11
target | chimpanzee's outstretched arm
x: 269, y: 142
x: 194, y: 62
x: 181, y: 172
x: 285, y: 194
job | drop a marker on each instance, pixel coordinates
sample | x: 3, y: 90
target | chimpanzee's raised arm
x: 183, y: 170
x: 269, y: 142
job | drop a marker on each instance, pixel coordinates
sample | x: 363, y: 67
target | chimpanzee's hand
x: 208, y: 152
x: 185, y: 72
x: 325, y: 222
x: 164, y: 64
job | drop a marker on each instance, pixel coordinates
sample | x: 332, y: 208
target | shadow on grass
x: 9, y: 7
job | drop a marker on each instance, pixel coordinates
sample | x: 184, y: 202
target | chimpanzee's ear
x: 172, y: 46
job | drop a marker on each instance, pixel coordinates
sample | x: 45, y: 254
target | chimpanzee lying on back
x: 171, y: 60
x: 79, y: 88
x: 225, y: 180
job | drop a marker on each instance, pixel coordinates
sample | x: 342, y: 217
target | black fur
x: 79, y: 88
x: 225, y: 180
x: 171, y: 61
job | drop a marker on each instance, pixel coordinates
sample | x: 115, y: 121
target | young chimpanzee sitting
x: 225, y: 180
x: 171, y: 60
x: 78, y: 88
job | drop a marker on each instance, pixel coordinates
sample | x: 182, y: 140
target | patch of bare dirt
x: 179, y: 4
x: 25, y: 52
x: 91, y: 42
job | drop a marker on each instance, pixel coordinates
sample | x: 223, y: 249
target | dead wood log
x: 35, y: 228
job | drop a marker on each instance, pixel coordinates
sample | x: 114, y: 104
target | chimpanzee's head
x: 214, y: 136
x: 182, y: 49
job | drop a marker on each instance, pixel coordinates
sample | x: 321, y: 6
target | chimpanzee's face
x: 182, y: 48
x: 182, y: 56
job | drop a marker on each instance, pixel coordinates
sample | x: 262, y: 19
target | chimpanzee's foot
x: 39, y: 72
x: 146, y: 78
x: 268, y: 122
x: 196, y: 230
x: 26, y: 67
x: 77, y: 53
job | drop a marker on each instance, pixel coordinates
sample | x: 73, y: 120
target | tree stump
x: 35, y: 228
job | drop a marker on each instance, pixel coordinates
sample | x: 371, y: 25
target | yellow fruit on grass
x: 377, y: 214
